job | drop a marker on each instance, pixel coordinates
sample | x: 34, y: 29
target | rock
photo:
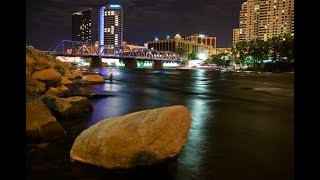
x: 41, y: 64
x: 77, y: 73
x: 88, y: 79
x: 41, y: 87
x: 52, y: 64
x: 62, y: 108
x: 65, y: 80
x: 54, y: 92
x: 29, y: 65
x: 137, y: 139
x: 34, y: 87
x: 40, y: 124
x: 68, y: 74
x: 81, y: 102
x: 47, y: 75
x: 66, y: 92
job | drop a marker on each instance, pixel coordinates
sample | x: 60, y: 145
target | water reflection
x: 242, y: 124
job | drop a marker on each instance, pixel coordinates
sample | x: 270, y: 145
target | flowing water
x: 242, y: 125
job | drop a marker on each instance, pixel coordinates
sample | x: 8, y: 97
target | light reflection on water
x: 242, y: 123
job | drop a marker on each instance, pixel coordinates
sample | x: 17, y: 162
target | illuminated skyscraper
x: 111, y: 26
x: 81, y: 26
x: 264, y: 19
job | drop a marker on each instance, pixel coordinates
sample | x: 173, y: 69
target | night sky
x: 48, y: 21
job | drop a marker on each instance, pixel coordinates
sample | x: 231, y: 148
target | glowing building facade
x: 201, y: 44
x: 264, y: 19
x: 111, y: 26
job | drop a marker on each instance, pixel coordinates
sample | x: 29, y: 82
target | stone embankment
x: 48, y: 97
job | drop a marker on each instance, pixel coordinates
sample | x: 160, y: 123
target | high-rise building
x: 264, y: 19
x: 111, y: 26
x: 81, y: 26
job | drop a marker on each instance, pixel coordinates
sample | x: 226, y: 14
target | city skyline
x: 48, y: 21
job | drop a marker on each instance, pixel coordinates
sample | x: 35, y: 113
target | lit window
x: 112, y: 12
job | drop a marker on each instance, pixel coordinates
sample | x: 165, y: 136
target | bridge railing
x: 78, y: 48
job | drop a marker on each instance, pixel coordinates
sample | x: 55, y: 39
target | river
x: 242, y: 125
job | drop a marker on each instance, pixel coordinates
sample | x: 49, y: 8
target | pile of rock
x: 43, y: 73
x: 48, y: 97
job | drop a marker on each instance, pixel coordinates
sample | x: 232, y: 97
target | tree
x: 183, y: 52
x: 193, y: 56
x: 239, y: 52
x: 220, y: 59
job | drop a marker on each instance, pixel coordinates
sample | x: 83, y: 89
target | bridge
x: 87, y: 49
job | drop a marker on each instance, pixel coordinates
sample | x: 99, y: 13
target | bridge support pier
x: 157, y: 64
x: 95, y: 62
x: 130, y: 63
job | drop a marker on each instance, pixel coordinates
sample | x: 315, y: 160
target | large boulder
x: 40, y: 124
x: 137, y: 139
x: 47, y: 75
x: 88, y: 79
x: 64, y: 108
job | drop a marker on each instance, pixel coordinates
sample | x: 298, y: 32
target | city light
x: 202, y: 56
x: 168, y: 36
x: 114, y: 5
x: 156, y: 39
x: 101, y: 32
x: 201, y: 35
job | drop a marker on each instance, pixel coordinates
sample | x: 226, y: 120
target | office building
x: 81, y: 26
x: 111, y: 26
x: 264, y: 19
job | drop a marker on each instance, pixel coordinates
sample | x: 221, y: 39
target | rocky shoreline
x: 48, y: 99
x: 141, y: 138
